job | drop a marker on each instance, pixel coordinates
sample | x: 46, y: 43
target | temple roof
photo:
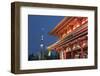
x: 79, y: 32
x: 66, y: 23
x: 60, y: 25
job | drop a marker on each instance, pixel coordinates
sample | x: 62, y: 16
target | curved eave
x: 79, y: 33
x: 60, y: 24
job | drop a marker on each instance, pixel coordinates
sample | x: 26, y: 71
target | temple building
x: 72, y: 33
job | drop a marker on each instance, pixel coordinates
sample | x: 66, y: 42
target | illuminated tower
x: 42, y: 46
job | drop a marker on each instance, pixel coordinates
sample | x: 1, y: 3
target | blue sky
x: 39, y: 25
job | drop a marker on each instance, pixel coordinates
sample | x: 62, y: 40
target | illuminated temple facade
x: 72, y: 33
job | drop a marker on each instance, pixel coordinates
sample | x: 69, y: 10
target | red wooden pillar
x: 82, y: 51
x: 65, y: 53
x: 61, y: 55
x: 72, y: 53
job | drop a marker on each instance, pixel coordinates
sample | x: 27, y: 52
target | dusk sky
x: 39, y: 25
